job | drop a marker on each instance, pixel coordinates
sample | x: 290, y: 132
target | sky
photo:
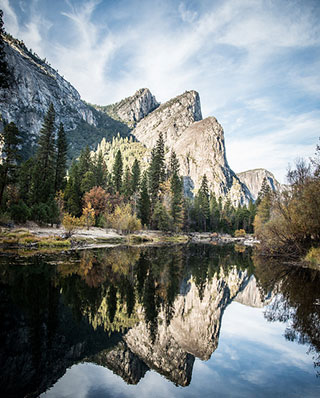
x: 255, y: 63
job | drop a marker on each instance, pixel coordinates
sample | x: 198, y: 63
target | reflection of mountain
x: 251, y: 296
x: 130, y: 311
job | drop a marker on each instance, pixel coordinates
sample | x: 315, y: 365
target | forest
x: 121, y: 196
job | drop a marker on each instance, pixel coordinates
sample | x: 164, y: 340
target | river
x: 170, y: 321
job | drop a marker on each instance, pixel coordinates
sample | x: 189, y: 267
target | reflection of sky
x: 252, y: 360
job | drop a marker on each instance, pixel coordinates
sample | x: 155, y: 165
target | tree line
x: 126, y: 198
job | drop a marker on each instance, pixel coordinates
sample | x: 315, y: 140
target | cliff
x: 36, y: 85
x: 253, y: 180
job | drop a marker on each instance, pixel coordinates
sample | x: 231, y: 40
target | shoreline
x: 32, y: 236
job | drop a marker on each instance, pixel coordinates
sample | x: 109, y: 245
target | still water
x: 177, y: 321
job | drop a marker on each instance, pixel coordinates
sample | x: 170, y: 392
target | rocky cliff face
x: 253, y: 180
x: 199, y: 145
x: 36, y: 86
x: 132, y: 109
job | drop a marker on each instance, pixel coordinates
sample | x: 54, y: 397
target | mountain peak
x: 134, y: 108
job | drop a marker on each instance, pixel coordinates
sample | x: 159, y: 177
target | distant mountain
x: 253, y: 180
x: 37, y: 85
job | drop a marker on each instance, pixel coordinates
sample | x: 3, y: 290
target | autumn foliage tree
x: 98, y: 198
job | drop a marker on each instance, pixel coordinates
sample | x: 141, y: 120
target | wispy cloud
x: 255, y: 63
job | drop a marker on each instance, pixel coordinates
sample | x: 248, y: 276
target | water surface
x: 196, y: 320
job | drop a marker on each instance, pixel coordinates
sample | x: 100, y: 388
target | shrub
x: 71, y: 223
x: 20, y: 212
x: 239, y: 233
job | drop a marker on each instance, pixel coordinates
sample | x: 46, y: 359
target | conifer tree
x: 100, y: 171
x: 156, y: 169
x: 174, y: 166
x: 44, y: 171
x: 203, y: 200
x: 214, y: 213
x: 176, y: 186
x: 144, y: 204
x: 61, y: 160
x: 73, y: 194
x: 10, y: 157
x: 117, y: 172
x: 25, y: 180
x: 127, y: 183
x: 135, y: 181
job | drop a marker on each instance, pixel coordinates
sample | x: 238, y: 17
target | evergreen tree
x: 160, y: 218
x: 177, y: 213
x: 174, y: 166
x: 6, y: 75
x: 117, y: 172
x: 203, y: 203
x: 144, y: 204
x: 85, y: 165
x: 73, y: 193
x: 10, y: 157
x: 156, y: 169
x: 135, y: 181
x: 25, y: 180
x: 214, y: 213
x: 61, y: 160
x: 44, y: 171
x: 127, y: 183
x: 100, y: 171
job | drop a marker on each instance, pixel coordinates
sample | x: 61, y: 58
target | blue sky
x: 255, y: 63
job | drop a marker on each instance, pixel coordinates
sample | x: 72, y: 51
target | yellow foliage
x: 239, y: 233
x: 71, y: 223
x: 88, y: 214
x: 123, y: 220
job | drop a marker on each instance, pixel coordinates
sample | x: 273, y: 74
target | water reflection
x: 135, y: 309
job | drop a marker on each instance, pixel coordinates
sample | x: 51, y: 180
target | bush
x: 71, y: 223
x: 20, y: 212
x: 123, y: 220
x: 239, y: 233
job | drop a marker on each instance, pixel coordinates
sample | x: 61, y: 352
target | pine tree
x: 100, y: 171
x: 156, y: 169
x: 117, y: 172
x: 135, y: 176
x: 6, y: 75
x: 174, y: 166
x: 204, y: 205
x: 44, y: 171
x: 176, y: 186
x: 127, y: 184
x: 214, y: 213
x: 85, y: 165
x: 10, y: 157
x: 25, y: 180
x: 73, y: 193
x: 61, y: 160
x: 144, y: 204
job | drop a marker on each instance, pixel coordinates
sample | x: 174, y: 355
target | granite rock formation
x: 132, y: 109
x: 253, y: 180
x: 36, y: 85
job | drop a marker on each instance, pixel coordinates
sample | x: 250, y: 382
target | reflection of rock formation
x: 122, y: 362
x: 196, y: 324
x: 165, y: 355
x: 193, y: 330
x: 251, y: 295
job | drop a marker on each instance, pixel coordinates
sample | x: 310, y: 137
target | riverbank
x: 33, y: 236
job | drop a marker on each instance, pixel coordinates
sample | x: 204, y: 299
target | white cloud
x: 240, y: 56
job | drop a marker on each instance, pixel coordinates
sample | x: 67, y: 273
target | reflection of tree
x: 298, y: 291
